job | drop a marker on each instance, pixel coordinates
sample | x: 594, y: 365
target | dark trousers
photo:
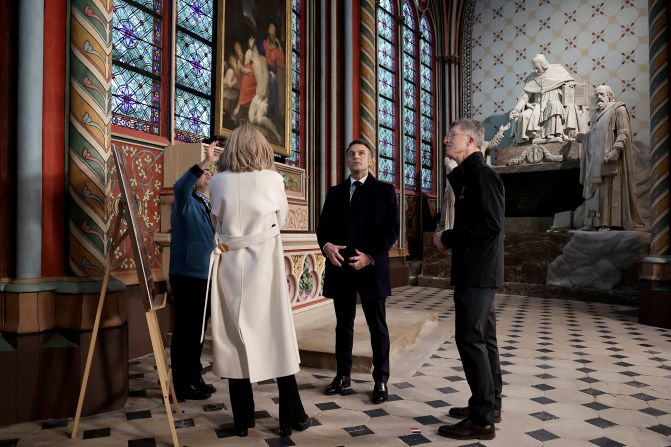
x: 375, y: 312
x: 186, y: 348
x: 242, y: 401
x: 475, y: 334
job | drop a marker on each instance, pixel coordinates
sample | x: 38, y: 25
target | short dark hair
x: 363, y: 143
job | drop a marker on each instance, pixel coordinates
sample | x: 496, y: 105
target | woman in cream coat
x: 252, y: 325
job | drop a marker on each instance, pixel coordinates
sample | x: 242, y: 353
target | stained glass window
x: 297, y: 45
x: 426, y: 106
x: 409, y: 58
x: 194, y: 59
x: 386, y: 87
x: 136, y: 64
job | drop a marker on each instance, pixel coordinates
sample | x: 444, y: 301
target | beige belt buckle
x: 223, y: 247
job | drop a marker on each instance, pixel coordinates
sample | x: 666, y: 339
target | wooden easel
x: 128, y: 212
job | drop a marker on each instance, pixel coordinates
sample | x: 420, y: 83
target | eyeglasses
x: 452, y: 134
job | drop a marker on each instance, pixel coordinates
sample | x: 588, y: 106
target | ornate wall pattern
x: 659, y: 126
x: 89, y: 134
x: 297, y: 219
x: 367, y: 82
x: 144, y: 167
x: 305, y: 274
x: 598, y: 41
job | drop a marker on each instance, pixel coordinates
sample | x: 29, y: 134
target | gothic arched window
x: 297, y: 157
x: 413, y: 129
x: 386, y: 88
x: 137, y: 71
x: 194, y: 58
x: 426, y: 95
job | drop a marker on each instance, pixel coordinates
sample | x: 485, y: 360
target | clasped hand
x: 357, y: 262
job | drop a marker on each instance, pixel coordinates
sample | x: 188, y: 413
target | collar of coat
x: 370, y: 179
x: 470, y: 163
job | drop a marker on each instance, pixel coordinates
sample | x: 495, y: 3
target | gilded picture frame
x: 254, y: 42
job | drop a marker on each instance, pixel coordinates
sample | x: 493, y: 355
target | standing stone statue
x: 540, y: 115
x: 607, y: 167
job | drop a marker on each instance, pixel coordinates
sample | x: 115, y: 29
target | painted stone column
x: 89, y: 135
x: 367, y: 81
x: 29, y: 134
x: 655, y: 278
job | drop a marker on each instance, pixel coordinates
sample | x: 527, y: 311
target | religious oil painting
x: 254, y: 69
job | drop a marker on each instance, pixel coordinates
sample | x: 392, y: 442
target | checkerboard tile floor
x: 576, y: 374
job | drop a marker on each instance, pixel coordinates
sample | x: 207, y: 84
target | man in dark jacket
x: 191, y: 242
x: 477, y: 270
x: 358, y: 225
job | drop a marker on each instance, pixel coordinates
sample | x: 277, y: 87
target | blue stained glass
x: 136, y: 38
x: 386, y: 83
x: 427, y: 128
x: 152, y: 5
x: 425, y: 53
x: 294, y: 158
x: 192, y: 114
x: 409, y: 122
x: 408, y: 41
x: 408, y: 18
x: 425, y: 29
x: 135, y: 100
x: 387, y: 170
x: 409, y: 149
x: 386, y: 143
x: 409, y: 95
x: 387, y: 5
x: 385, y: 25
x: 427, y: 180
x: 296, y: 5
x: 194, y: 63
x: 196, y: 16
x: 385, y: 54
x: 386, y: 112
x: 410, y: 176
x: 427, y: 155
x: 295, y: 24
x: 295, y: 79
x: 409, y: 68
x: 425, y: 79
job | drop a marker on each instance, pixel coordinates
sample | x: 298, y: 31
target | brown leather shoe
x: 462, y: 413
x: 467, y: 429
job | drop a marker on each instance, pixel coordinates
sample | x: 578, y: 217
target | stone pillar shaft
x: 29, y: 138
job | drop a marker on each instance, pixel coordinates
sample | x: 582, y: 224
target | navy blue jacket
x: 192, y: 233
x: 368, y: 223
x: 479, y: 214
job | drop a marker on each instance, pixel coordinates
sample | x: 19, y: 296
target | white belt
x: 226, y: 244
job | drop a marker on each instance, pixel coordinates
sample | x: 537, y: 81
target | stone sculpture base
x: 595, y: 259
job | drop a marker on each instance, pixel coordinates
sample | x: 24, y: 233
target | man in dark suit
x: 477, y: 270
x: 358, y: 225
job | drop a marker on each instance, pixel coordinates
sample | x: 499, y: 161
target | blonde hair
x: 246, y: 150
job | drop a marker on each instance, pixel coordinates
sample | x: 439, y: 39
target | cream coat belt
x: 226, y: 244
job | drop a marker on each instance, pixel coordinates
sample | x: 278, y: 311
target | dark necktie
x: 356, y: 185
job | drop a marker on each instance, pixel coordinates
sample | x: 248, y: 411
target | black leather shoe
x: 191, y: 392
x: 205, y: 387
x: 380, y: 393
x: 338, y: 384
x: 241, y: 432
x: 301, y: 425
x: 467, y: 429
x: 463, y: 412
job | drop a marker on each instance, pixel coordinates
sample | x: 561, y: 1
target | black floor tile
x: 661, y: 429
x: 437, y: 403
x: 134, y: 415
x: 606, y: 442
x: 328, y: 406
x: 14, y: 442
x: 601, y: 422
x: 97, y: 433
x: 544, y: 416
x: 414, y: 439
x: 55, y: 423
x: 279, y: 442
x: 376, y: 412
x: 144, y: 442
x: 427, y: 420
x: 542, y: 435
x: 359, y: 430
